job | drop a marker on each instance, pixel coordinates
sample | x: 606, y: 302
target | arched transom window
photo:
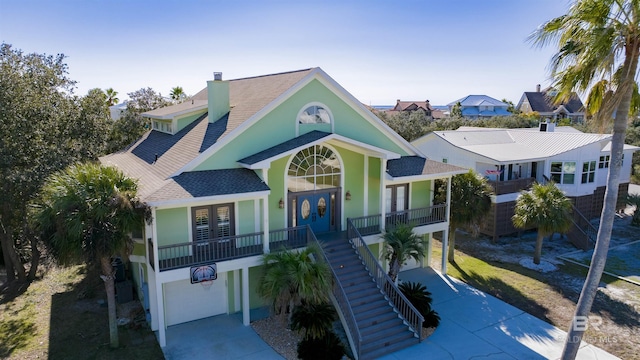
x: 314, y: 114
x: 314, y: 168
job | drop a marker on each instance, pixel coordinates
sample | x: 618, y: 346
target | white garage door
x: 185, y: 301
x: 410, y: 264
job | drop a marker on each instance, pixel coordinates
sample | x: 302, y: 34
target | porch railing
x: 289, y: 238
x: 511, y: 186
x: 408, y: 312
x: 341, y: 298
x: 369, y: 225
x: 227, y: 248
x: 199, y: 252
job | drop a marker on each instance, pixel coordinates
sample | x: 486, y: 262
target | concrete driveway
x: 473, y: 325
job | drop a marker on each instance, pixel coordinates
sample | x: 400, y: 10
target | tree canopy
x: 86, y: 212
x: 43, y: 128
x: 131, y: 126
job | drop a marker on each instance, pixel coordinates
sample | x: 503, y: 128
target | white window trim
x: 314, y: 103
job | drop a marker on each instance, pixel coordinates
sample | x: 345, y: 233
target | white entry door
x: 185, y: 301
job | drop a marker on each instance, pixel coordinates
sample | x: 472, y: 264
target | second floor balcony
x: 187, y: 254
x: 511, y: 186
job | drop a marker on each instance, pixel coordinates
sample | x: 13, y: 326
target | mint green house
x: 260, y: 164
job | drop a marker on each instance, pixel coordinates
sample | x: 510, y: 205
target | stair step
x: 383, y: 329
x: 381, y: 309
x: 351, y: 262
x: 333, y: 250
x: 345, y: 276
x: 368, y: 294
x: 388, y: 340
x: 378, y: 319
x: 364, y: 305
x: 354, y: 287
x: 358, y: 280
x: 392, y: 347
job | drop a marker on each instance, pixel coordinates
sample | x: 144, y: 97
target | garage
x: 185, y: 301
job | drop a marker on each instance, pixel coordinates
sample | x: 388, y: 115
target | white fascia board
x: 372, y: 150
x: 246, y: 124
x: 364, y: 112
x: 167, y: 204
x: 188, y: 111
x: 412, y: 178
x: 341, y: 140
x: 222, y: 267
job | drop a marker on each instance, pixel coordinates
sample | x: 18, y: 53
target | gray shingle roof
x: 416, y: 165
x: 247, y: 96
x: 284, y: 147
x: 197, y: 184
x: 540, y: 102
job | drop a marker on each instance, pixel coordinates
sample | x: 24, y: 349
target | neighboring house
x: 480, y: 106
x: 425, y: 106
x: 544, y: 104
x: 258, y: 164
x: 118, y: 110
x: 512, y: 159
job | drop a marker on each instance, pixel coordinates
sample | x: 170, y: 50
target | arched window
x: 313, y: 168
x: 314, y: 114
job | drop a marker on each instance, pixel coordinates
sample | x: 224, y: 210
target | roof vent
x: 217, y: 76
x: 547, y: 126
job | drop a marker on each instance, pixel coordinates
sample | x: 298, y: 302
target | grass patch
x: 60, y: 316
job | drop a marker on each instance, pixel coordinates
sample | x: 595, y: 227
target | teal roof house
x: 261, y: 164
x: 480, y: 106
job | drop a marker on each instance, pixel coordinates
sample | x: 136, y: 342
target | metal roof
x: 508, y: 145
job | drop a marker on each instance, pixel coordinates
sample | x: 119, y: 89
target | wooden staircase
x: 381, y: 328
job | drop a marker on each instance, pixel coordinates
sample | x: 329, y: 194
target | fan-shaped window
x: 314, y: 114
x: 313, y: 168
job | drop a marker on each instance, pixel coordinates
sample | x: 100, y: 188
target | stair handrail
x: 587, y: 228
x: 400, y: 302
x: 340, y: 296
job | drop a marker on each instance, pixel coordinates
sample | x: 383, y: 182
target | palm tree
x: 634, y: 200
x: 400, y: 245
x: 86, y: 212
x: 291, y: 277
x: 314, y: 320
x: 597, y: 40
x: 112, y: 97
x: 177, y: 94
x: 545, y: 207
x: 470, y: 201
x: 421, y: 299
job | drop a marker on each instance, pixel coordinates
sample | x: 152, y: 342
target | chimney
x: 218, y: 97
x: 538, y: 88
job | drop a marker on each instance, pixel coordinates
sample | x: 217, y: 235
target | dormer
x: 172, y: 119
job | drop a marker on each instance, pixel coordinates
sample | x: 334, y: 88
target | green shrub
x: 421, y: 299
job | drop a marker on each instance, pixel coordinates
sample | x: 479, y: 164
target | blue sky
x: 379, y: 51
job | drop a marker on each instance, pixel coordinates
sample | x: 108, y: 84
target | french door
x: 396, y: 200
x: 213, y: 222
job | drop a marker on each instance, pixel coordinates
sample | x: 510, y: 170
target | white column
x: 448, y: 198
x: 429, y: 249
x: 237, y: 294
x: 383, y: 198
x: 162, y: 329
x: 265, y: 214
x: 246, y: 314
x: 445, y: 247
x: 154, y: 237
x: 365, y: 203
x: 445, y: 233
